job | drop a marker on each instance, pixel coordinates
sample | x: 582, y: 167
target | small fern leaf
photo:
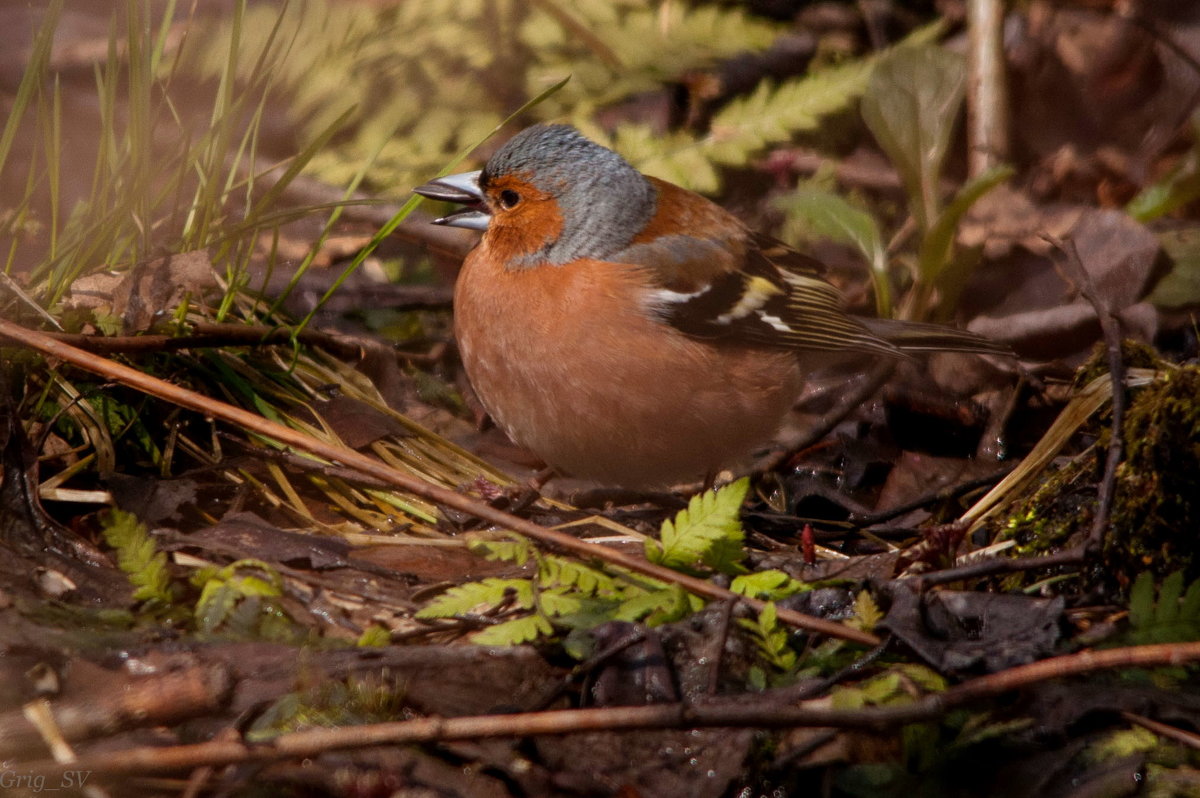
x: 770, y: 585
x: 137, y: 556
x: 1173, y: 618
x: 770, y: 638
x: 559, y: 571
x: 516, y: 551
x: 479, y: 596
x: 216, y: 604
x: 1167, y: 610
x: 726, y: 554
x: 1141, y: 600
x: 1190, y: 607
x: 658, y: 605
x: 867, y: 614
x: 514, y: 632
x: 561, y: 601
x: 709, y: 520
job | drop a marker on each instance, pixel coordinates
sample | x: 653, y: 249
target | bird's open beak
x: 463, y: 189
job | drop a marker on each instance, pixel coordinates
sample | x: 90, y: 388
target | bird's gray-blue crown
x: 604, y: 201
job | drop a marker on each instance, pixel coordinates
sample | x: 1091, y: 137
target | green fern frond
x: 561, y: 601
x: 770, y: 639
x: 613, y: 50
x: 867, y: 614
x: 569, y: 573
x: 516, y: 550
x: 417, y: 84
x: 658, y: 606
x: 515, y: 632
x: 137, y: 556
x: 484, y: 594
x: 704, y: 529
x: 223, y: 590
x: 771, y: 114
x: 1173, y: 618
x: 771, y: 585
x: 374, y: 636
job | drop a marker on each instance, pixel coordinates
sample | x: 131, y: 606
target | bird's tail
x: 912, y: 336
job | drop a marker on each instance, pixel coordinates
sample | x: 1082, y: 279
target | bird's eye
x: 509, y: 199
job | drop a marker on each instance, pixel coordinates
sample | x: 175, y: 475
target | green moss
x: 370, y: 698
x: 1157, y: 501
x: 1056, y: 512
x: 1158, y: 485
x: 1134, y: 354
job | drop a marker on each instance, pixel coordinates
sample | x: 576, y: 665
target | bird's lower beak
x: 463, y: 189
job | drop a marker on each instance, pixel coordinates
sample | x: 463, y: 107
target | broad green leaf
x: 1122, y: 744
x: 883, y: 688
x: 215, y: 605
x: 1180, y: 286
x: 813, y: 212
x: 1179, y: 187
x: 374, y: 637
x: 911, y: 105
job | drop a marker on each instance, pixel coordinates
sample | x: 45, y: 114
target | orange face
x: 525, y: 220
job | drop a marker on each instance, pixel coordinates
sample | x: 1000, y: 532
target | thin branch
x: 1174, y: 733
x: 207, y: 335
x: 997, y: 565
x: 940, y: 495
x: 726, y: 713
x: 1116, y: 370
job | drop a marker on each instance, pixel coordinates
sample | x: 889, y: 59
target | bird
x: 631, y: 332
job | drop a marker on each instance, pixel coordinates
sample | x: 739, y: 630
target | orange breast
x: 566, y: 362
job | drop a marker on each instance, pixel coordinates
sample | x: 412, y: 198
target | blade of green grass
x: 415, y: 200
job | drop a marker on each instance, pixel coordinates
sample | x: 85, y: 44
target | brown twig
x: 208, y: 335
x: 1174, y: 733
x: 818, y: 687
x: 997, y: 565
x: 551, y: 538
x: 939, y: 495
x: 735, y: 712
x: 1116, y: 369
x: 304, y: 465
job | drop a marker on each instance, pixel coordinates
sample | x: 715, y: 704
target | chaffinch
x: 632, y: 332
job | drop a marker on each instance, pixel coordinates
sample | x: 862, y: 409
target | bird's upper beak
x: 463, y: 189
